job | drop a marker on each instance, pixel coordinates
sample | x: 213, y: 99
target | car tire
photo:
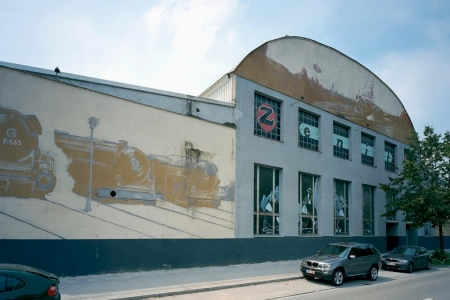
x: 411, y: 268
x: 373, y: 273
x: 429, y: 265
x: 338, y: 277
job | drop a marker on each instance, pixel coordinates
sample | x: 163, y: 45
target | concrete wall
x: 291, y: 159
x: 155, y: 174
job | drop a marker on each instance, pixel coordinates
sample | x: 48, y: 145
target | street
x: 420, y: 285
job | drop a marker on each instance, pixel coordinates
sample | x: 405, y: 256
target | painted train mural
x: 25, y: 171
x: 121, y: 172
x: 113, y: 172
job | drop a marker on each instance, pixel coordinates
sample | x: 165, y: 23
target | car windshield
x: 404, y: 250
x: 334, y: 250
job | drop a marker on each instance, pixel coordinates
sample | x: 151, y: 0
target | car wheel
x: 337, y: 278
x: 373, y: 273
x: 410, y: 268
x: 429, y: 265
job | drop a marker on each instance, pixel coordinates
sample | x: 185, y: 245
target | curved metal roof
x: 329, y: 80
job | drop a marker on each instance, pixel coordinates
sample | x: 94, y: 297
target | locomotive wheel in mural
x: 24, y: 171
x: 133, y: 165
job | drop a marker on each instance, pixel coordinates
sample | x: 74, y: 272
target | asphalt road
x: 421, y: 285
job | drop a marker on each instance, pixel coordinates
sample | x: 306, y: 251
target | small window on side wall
x: 308, y: 130
x: 267, y: 119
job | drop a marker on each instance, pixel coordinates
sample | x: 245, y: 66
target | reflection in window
x: 428, y: 229
x: 390, y: 209
x: 389, y: 157
x: 368, y: 215
x: 341, y: 207
x: 307, y: 203
x: 267, y: 117
x: 308, y: 130
x: 266, y: 209
x: 367, y: 150
x: 340, y: 141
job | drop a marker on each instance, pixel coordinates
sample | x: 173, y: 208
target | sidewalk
x: 143, y: 285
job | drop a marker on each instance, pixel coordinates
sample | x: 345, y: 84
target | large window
x: 389, y: 157
x: 308, y: 130
x: 367, y: 150
x: 341, y: 207
x: 368, y: 215
x: 266, y: 209
x: 267, y: 117
x: 428, y: 229
x: 390, y: 209
x: 307, y: 203
x: 340, y: 141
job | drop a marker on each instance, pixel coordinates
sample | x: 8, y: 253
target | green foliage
x: 440, y: 254
x: 422, y: 188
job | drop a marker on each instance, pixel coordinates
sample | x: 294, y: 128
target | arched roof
x: 329, y: 80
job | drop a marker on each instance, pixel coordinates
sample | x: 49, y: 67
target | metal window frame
x: 263, y: 99
x: 371, y: 220
x: 258, y: 213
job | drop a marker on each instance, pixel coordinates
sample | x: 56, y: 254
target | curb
x: 192, y: 288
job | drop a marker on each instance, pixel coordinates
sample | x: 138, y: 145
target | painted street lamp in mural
x: 93, y: 122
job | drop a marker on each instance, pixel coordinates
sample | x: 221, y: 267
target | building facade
x: 280, y: 155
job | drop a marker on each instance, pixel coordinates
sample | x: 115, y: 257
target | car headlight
x: 303, y: 262
x: 402, y: 261
x: 324, y: 266
x: 383, y: 259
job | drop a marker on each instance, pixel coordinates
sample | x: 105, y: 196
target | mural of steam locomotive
x: 124, y: 174
x: 25, y: 172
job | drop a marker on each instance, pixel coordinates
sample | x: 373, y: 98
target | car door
x: 421, y: 258
x: 354, y: 265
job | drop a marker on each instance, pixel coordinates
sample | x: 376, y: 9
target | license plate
x: 391, y: 263
x: 310, y: 272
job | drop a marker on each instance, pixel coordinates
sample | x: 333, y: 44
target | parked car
x: 407, y: 258
x: 338, y: 260
x: 23, y: 282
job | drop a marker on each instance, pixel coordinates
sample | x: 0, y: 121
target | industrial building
x: 280, y: 156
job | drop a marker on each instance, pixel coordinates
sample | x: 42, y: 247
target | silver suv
x: 341, y: 259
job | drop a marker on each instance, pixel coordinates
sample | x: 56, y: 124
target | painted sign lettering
x: 266, y: 117
x: 309, y: 131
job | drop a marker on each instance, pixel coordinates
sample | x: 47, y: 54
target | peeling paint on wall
x: 307, y: 71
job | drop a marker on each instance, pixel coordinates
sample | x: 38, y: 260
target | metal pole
x: 93, y: 122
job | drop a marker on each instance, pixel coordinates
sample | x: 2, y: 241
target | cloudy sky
x: 184, y: 46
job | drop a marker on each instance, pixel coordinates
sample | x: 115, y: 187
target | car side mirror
x: 352, y: 256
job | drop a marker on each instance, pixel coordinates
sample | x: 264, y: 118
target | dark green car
x: 338, y: 260
x: 407, y: 258
x: 23, y: 282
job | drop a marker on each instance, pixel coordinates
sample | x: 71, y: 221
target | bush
x: 440, y: 254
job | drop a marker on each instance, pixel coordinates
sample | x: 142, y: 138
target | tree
x: 422, y: 188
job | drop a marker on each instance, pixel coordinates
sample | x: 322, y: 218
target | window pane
x: 341, y: 207
x: 267, y: 201
x: 367, y: 150
x: 307, y: 204
x: 389, y: 157
x: 308, y: 127
x: 13, y: 284
x: 368, y: 216
x: 267, y: 117
x: 340, y: 141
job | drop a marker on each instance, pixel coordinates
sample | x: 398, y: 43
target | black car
x: 407, y: 258
x: 23, y: 282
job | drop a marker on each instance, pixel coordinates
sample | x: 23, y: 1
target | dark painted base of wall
x: 83, y: 257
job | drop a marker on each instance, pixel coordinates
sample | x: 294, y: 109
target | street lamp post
x: 93, y: 122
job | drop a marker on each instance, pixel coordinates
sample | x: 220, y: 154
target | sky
x: 184, y: 46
